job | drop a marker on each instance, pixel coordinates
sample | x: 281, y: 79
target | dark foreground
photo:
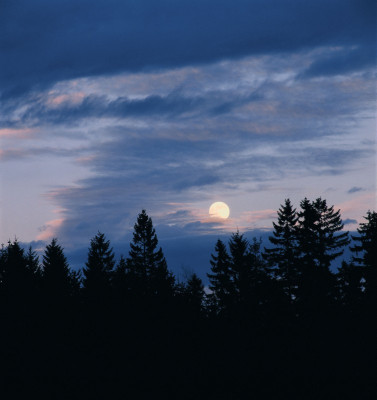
x: 104, y: 356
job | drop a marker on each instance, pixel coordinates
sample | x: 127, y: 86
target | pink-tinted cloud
x: 357, y: 207
x: 262, y: 218
x: 19, y: 133
x: 71, y: 98
x: 49, y: 230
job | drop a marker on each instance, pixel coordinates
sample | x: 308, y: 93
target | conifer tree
x: 16, y: 275
x: 32, y: 262
x: 349, y: 282
x: 119, y: 279
x: 58, y: 280
x: 249, y: 274
x: 240, y: 267
x: 146, y: 265
x: 220, y: 278
x: 319, y: 237
x: 99, y: 268
x: 366, y: 253
x: 262, y: 290
x: 283, y: 257
x: 319, y: 243
x: 194, y: 294
x: 19, y: 279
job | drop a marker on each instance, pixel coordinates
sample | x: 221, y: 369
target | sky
x: 111, y: 107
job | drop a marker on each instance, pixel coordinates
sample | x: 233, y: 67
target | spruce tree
x: 32, y: 262
x: 18, y: 278
x: 240, y: 267
x: 366, y: 254
x: 262, y: 290
x: 146, y: 264
x: 99, y: 268
x: 320, y: 242
x: 119, y: 279
x: 194, y: 294
x: 220, y: 278
x: 350, y: 291
x: 319, y: 237
x: 57, y: 278
x: 283, y: 257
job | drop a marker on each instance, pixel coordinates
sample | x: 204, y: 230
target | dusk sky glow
x: 109, y: 107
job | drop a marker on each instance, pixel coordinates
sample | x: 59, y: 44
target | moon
x: 219, y: 210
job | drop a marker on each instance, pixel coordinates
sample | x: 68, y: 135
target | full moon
x: 219, y: 210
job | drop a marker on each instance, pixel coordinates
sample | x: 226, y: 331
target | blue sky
x: 108, y: 107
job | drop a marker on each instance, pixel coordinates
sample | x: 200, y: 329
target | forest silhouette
x: 275, y: 322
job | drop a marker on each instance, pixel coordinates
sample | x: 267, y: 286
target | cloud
x: 49, y: 230
x: 349, y: 221
x: 45, y: 43
x: 355, y: 189
x: 154, y: 106
x: 19, y: 133
x: 342, y: 61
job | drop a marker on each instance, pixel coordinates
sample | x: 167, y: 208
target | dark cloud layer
x: 343, y: 61
x: 43, y: 42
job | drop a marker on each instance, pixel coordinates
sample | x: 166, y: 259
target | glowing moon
x: 219, y: 210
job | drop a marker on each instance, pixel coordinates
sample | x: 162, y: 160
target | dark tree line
x: 280, y: 310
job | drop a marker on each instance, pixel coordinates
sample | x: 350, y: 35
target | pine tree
x: 194, y: 294
x: 250, y: 277
x: 319, y: 243
x: 366, y: 254
x: 19, y: 279
x: 99, y: 268
x: 58, y: 281
x: 283, y: 257
x: 32, y: 262
x: 262, y: 289
x: 349, y: 282
x: 147, y: 267
x: 119, y: 279
x: 220, y: 279
x: 240, y: 267
x: 16, y: 276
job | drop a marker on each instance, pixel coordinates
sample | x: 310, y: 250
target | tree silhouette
x: 194, y: 295
x: 119, y: 280
x: 284, y: 256
x: 32, y: 262
x: 318, y: 228
x: 19, y: 273
x: 350, y: 293
x: 220, y: 278
x: 319, y: 243
x: 99, y: 268
x: 366, y: 254
x: 58, y: 281
x: 249, y: 274
x: 258, y: 342
x: 146, y: 265
x: 240, y: 267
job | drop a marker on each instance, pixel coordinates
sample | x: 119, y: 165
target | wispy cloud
x: 50, y: 229
x: 355, y: 189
